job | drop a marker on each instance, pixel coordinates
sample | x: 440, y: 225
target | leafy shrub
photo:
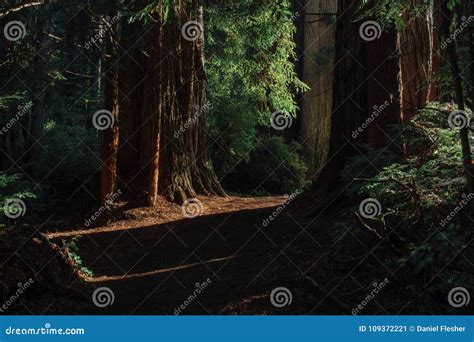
x: 250, y: 72
x: 419, y: 188
x: 15, y: 187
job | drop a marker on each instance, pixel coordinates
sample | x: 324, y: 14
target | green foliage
x: 7, y: 100
x: 14, y: 186
x: 250, y: 55
x: 73, y: 251
x: 255, y: 52
x: 421, y: 194
x: 387, y: 12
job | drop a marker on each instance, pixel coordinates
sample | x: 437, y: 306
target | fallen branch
x: 21, y: 7
x: 369, y: 228
x: 376, y: 233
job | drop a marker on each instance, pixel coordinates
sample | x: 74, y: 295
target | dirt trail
x: 154, y: 259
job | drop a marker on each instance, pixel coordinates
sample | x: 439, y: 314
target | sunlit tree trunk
x: 318, y: 65
x: 416, y: 62
x: 349, y: 97
x: 111, y: 134
x: 163, y: 131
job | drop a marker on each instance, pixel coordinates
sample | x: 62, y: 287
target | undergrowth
x: 419, y: 226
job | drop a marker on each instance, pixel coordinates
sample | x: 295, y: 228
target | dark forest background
x: 359, y: 112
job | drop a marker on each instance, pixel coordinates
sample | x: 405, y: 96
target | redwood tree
x: 349, y: 97
x: 163, y: 148
x: 318, y: 65
x: 417, y: 51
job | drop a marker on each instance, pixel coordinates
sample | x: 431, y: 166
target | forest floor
x: 153, y: 260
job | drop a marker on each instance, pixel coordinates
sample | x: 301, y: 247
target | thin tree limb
x: 21, y: 7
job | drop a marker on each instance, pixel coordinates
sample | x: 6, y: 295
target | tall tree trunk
x: 349, y: 97
x: 471, y: 54
x: 415, y: 45
x: 318, y: 71
x: 151, y: 113
x: 163, y: 149
x: 111, y: 134
x: 435, y: 22
x: 457, y: 85
x: 185, y: 169
x: 383, y: 86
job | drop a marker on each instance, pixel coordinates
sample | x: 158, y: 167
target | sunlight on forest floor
x: 227, y: 243
x: 167, y: 212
